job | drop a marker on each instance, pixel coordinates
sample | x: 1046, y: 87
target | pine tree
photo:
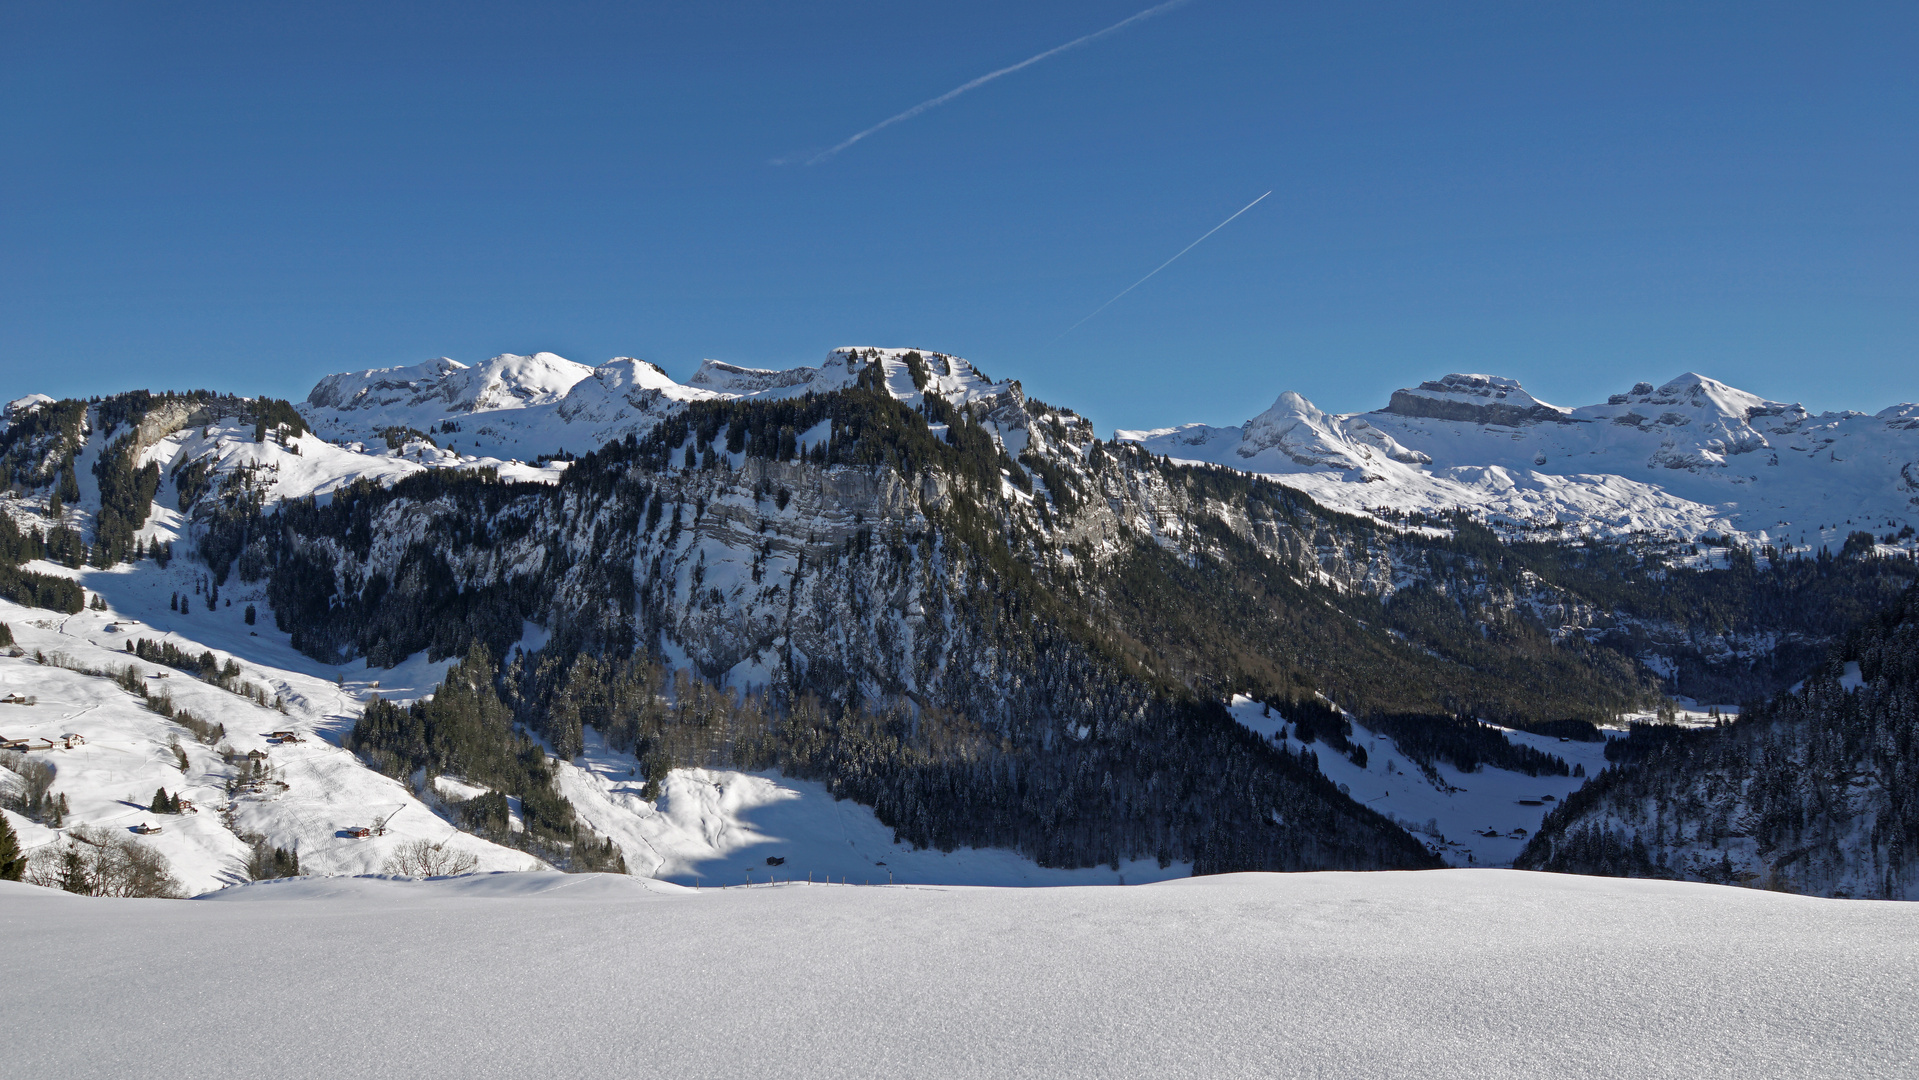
x: 13, y: 861
x: 73, y: 874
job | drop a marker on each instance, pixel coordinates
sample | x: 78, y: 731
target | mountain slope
x: 910, y: 585
x: 1691, y: 458
x: 1817, y: 792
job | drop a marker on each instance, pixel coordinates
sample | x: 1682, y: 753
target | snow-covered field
x: 1466, y: 973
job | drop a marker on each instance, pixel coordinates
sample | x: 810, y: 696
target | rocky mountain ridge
x: 929, y: 592
x: 1689, y: 459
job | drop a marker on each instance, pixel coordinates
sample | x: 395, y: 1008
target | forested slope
x: 1816, y: 792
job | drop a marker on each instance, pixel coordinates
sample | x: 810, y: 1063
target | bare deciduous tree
x: 421, y: 858
x: 95, y: 861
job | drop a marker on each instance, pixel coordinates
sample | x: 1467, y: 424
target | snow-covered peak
x: 380, y: 386
x: 623, y: 394
x: 507, y: 381
x: 1292, y: 436
x: 20, y: 407
x: 1706, y: 396
x: 1691, y: 457
x: 526, y: 406
x: 939, y: 374
x: 1480, y: 399
x: 517, y: 382
x: 1302, y: 432
x: 624, y: 373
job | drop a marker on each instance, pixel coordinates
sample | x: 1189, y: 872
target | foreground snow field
x: 1478, y: 973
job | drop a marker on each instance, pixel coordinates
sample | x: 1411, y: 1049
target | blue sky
x: 1578, y: 196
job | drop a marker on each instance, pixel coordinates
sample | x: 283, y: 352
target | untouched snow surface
x: 1472, y: 973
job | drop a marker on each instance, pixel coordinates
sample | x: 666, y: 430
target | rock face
x: 1475, y: 399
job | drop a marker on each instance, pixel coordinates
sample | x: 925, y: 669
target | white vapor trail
x: 991, y: 75
x: 1163, y: 265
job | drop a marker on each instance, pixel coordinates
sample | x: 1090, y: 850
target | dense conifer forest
x: 1816, y: 790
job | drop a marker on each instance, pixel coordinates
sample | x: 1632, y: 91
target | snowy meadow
x: 1480, y: 973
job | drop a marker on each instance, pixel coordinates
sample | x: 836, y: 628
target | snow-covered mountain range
x: 1690, y: 458
x: 527, y: 407
x: 893, y: 526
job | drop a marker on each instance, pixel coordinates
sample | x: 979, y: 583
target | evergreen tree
x: 73, y: 873
x: 13, y: 861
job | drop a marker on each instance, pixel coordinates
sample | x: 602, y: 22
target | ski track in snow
x: 1465, y: 973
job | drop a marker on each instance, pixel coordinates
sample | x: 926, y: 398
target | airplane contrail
x: 1163, y: 265
x: 991, y: 75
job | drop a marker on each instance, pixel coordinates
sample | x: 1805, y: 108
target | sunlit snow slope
x: 523, y: 407
x: 1689, y: 458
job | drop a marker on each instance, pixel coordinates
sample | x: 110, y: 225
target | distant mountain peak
x: 1480, y: 399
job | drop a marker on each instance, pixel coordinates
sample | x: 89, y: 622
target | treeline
x: 29, y: 588
x: 1176, y: 781
x: 1803, y: 604
x: 1463, y: 741
x: 870, y: 428
x: 1815, y: 791
x: 126, y: 495
x: 1250, y: 621
x: 226, y: 676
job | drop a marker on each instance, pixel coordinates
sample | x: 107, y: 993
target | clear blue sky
x: 248, y: 197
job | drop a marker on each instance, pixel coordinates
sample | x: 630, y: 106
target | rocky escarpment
x: 1475, y: 399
